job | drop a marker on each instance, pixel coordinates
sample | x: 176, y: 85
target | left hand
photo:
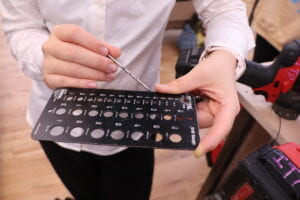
x: 213, y: 77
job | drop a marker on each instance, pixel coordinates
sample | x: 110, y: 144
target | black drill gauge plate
x: 118, y: 117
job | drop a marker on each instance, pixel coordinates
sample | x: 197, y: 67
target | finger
x: 74, y: 70
x: 222, y: 124
x: 77, y: 54
x: 183, y: 84
x: 56, y: 81
x: 204, y: 116
x: 75, y: 34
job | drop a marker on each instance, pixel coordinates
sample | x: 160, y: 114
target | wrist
x: 239, y: 67
x: 225, y: 56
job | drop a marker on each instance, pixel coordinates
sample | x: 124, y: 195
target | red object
x: 215, y: 153
x: 292, y: 151
x: 244, y: 192
x: 283, y: 82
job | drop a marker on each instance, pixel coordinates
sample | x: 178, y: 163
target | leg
x: 128, y: 175
x: 79, y: 171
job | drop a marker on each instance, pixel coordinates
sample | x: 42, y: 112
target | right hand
x: 75, y: 58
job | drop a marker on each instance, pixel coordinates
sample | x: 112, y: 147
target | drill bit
x: 128, y: 72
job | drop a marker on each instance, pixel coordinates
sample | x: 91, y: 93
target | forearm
x: 227, y: 28
x: 26, y: 48
x: 226, y: 25
x: 230, y: 29
x: 25, y: 32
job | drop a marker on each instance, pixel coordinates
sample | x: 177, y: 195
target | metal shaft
x: 128, y: 72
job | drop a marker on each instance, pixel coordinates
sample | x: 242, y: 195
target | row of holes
x: 118, y: 100
x: 139, y: 115
x: 117, y: 134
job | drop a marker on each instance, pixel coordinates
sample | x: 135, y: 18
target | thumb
x: 183, y: 84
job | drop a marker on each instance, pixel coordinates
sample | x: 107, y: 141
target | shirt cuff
x: 241, y: 64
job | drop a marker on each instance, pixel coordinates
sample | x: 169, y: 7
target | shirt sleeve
x: 25, y: 31
x: 226, y: 26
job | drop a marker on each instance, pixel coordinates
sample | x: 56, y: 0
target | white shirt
x: 136, y: 27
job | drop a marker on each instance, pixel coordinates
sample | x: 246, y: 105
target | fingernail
x: 112, y: 67
x: 103, y: 51
x: 110, y: 77
x: 92, y: 84
x: 199, y: 152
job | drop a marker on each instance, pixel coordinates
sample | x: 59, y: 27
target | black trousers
x: 125, y: 175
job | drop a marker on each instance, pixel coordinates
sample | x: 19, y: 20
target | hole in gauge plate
x: 189, y: 118
x: 137, y: 135
x: 137, y: 101
x: 108, y: 114
x: 119, y: 100
x: 79, y: 98
x: 77, y: 132
x: 139, y: 115
x: 77, y: 112
x: 123, y: 115
x: 180, y: 118
x: 184, y: 100
x: 56, y: 130
x: 167, y: 117
x: 157, y: 137
x: 117, y: 134
x: 97, y: 133
x: 93, y: 113
x: 69, y: 98
x: 108, y: 100
x: 61, y: 111
x: 153, y: 116
x: 175, y: 138
x: 99, y: 99
x: 154, y: 102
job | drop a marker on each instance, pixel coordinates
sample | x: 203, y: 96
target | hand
x: 213, y: 77
x: 75, y: 58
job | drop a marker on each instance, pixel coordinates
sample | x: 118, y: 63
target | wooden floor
x: 24, y: 170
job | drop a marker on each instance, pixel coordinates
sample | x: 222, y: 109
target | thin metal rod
x: 128, y: 72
